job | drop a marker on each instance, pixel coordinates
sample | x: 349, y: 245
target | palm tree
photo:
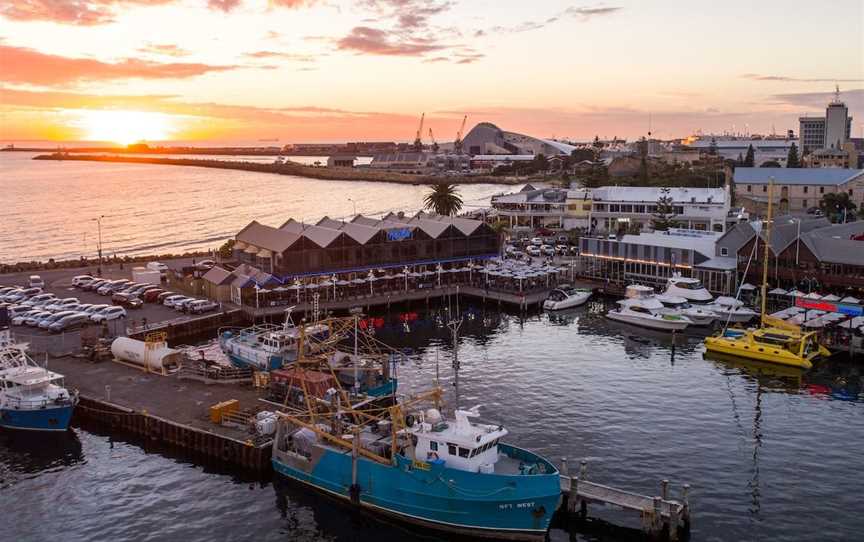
x: 444, y: 199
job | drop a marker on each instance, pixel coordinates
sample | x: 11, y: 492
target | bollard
x: 573, y: 498
x: 107, y: 393
x: 583, y: 470
x: 664, y: 489
x: 685, y: 509
x: 564, y: 470
x: 674, y: 520
x: 657, y: 524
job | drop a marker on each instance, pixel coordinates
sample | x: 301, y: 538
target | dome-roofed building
x: 487, y: 138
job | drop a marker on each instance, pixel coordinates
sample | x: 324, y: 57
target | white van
x: 36, y: 282
x: 158, y: 266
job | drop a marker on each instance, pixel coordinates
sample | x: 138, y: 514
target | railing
x: 15, y: 403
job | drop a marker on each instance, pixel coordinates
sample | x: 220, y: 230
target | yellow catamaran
x: 775, y: 341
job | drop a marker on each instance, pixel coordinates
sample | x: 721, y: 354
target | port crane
x: 434, y: 143
x: 457, y: 143
x: 418, y: 141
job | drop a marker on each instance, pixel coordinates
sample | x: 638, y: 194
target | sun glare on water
x: 125, y: 127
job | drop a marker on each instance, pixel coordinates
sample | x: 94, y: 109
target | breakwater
x: 290, y: 168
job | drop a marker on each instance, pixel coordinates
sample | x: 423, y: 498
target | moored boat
x: 566, y: 297
x: 689, y: 288
x: 33, y: 398
x: 265, y: 347
x: 641, y: 308
x: 699, y: 315
x: 451, y: 475
x: 731, y: 310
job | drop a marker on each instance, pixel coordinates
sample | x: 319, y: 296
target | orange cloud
x: 77, y: 12
x: 23, y: 65
x: 167, y: 49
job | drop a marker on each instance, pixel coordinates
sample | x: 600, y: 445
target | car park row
x: 31, y: 306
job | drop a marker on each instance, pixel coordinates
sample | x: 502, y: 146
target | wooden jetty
x: 659, y: 514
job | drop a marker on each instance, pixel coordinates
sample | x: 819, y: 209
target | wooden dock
x: 659, y: 514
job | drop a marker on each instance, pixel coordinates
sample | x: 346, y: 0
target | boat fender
x: 539, y: 512
x: 409, y: 420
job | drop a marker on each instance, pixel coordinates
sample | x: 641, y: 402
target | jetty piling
x: 659, y: 514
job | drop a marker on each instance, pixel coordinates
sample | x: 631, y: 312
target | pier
x: 659, y: 514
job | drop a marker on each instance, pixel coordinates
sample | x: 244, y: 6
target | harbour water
x: 771, y: 455
x: 48, y: 206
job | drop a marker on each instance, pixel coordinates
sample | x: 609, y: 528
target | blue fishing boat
x: 454, y: 475
x: 32, y: 398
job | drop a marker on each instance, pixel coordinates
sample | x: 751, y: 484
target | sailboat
x: 775, y: 341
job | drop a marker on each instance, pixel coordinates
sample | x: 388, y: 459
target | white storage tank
x: 158, y: 357
x: 144, y: 275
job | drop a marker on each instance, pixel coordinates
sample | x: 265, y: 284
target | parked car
x: 22, y: 318
x: 537, y: 241
x: 62, y: 304
x: 36, y: 281
x: 533, y: 250
x: 206, y: 265
x: 158, y: 266
x: 22, y: 295
x: 564, y: 239
x: 34, y: 317
x: 107, y: 314
x: 151, y: 296
x: 112, y: 286
x: 127, y: 300
x: 130, y: 288
x: 48, y: 320
x: 40, y: 300
x: 7, y: 289
x: 574, y: 250
x: 93, y: 309
x: 180, y: 304
x: 548, y: 250
x: 67, y: 323
x: 94, y: 285
x: 7, y: 296
x: 169, y: 301
x: 200, y: 306
x: 562, y: 249
x: 80, y: 280
x: 163, y: 296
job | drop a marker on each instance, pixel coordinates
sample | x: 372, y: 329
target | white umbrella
x: 813, y: 295
x: 343, y: 283
x: 359, y: 281
x: 850, y: 299
x: 815, y: 323
x: 311, y: 286
x: 797, y: 319
x: 847, y: 324
x: 747, y: 286
x: 857, y: 321
x: 294, y: 286
x: 781, y: 315
x: 831, y: 297
x: 776, y: 291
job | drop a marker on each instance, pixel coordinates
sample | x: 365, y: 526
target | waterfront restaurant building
x: 795, y: 189
x: 327, y: 247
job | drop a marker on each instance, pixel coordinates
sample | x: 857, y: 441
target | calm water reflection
x: 771, y: 454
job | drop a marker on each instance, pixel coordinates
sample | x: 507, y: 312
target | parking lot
x: 59, y: 283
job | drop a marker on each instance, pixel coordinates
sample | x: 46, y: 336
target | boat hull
x: 42, y: 419
x: 490, y: 506
x: 740, y: 347
x: 658, y: 324
x: 569, y: 303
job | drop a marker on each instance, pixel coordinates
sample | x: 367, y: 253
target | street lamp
x: 405, y: 272
x: 355, y: 205
x: 99, y: 246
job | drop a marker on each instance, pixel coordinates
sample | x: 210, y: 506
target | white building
x: 828, y: 132
x: 731, y: 148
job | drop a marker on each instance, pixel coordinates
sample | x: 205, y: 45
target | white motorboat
x: 689, y: 288
x: 729, y: 309
x: 699, y: 315
x: 642, y: 308
x: 566, y: 297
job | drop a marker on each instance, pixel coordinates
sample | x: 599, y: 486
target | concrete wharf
x: 184, y: 327
x: 165, y: 410
x: 659, y: 514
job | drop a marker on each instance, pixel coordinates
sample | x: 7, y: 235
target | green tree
x: 664, y: 216
x: 226, y: 251
x: 443, y: 199
x: 792, y: 159
x: 750, y: 158
x: 834, y: 204
x: 740, y: 161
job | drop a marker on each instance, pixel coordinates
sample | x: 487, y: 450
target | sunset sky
x: 333, y: 70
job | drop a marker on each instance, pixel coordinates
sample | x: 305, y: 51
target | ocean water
x: 771, y: 454
x: 49, y: 207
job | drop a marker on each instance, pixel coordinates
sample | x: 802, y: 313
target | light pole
x: 355, y: 205
x: 405, y: 272
x: 99, y: 246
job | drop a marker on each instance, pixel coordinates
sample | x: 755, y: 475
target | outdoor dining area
x: 491, y: 275
x: 839, y: 320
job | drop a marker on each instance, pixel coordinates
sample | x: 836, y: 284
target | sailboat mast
x: 767, y: 246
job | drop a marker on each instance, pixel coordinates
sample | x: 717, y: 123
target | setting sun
x: 125, y: 127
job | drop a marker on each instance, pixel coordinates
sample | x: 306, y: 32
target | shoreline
x: 290, y: 168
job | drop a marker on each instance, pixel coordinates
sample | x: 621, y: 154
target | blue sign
x: 399, y: 234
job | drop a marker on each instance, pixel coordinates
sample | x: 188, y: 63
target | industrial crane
x: 457, y: 144
x: 418, y: 142
x: 434, y: 143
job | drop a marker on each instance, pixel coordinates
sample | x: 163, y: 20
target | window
x: 850, y: 191
x: 764, y: 188
x: 805, y: 189
x: 804, y: 203
x: 433, y: 445
x: 464, y: 452
x: 749, y: 187
x: 451, y: 448
x: 724, y: 251
x: 821, y: 189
